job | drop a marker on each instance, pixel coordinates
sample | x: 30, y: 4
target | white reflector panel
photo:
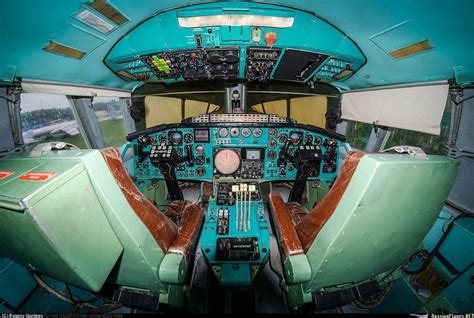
x: 235, y: 20
x: 418, y: 108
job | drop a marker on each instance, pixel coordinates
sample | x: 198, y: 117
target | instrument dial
x: 295, y: 137
x: 272, y: 132
x: 308, y: 139
x: 283, y: 138
x: 272, y: 143
x: 175, y: 138
x: 272, y: 154
x: 142, y: 139
x: 188, y: 138
x: 199, y: 148
x: 200, y: 160
x: 317, y: 141
x: 200, y: 171
x: 162, y: 138
x: 235, y: 132
x: 223, y: 132
x: 227, y: 161
x: 257, y: 132
x: 246, y: 132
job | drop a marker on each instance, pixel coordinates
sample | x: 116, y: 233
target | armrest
x: 290, y: 243
x: 192, y: 216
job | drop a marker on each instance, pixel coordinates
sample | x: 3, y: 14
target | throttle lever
x: 190, y: 155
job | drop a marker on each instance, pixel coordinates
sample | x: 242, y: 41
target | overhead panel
x: 237, y: 40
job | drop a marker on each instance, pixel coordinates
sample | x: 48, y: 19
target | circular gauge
x: 235, y: 132
x: 308, y: 139
x: 179, y: 152
x: 331, y: 142
x: 200, y: 171
x: 227, y: 161
x: 231, y: 56
x: 295, y: 137
x: 162, y: 138
x: 200, y: 160
x: 272, y: 155
x: 176, y: 138
x: 223, y: 132
x: 272, y: 143
x: 257, y: 132
x: 246, y: 132
x: 272, y: 132
x: 153, y: 140
x: 317, y: 141
x: 215, y: 57
x: 199, y: 148
x: 291, y: 167
x: 142, y: 139
x: 283, y: 137
x: 188, y: 138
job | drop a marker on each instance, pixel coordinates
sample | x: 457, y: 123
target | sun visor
x: 57, y: 88
x: 418, y: 108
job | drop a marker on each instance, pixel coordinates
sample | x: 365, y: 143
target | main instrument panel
x: 237, y: 152
x: 234, y: 150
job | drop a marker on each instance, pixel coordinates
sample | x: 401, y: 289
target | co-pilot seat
x: 80, y: 219
x: 373, y: 218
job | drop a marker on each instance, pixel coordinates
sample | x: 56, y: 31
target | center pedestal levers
x: 235, y: 239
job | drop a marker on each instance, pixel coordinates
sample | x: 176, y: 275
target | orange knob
x: 270, y: 38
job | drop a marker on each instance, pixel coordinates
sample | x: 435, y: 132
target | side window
x: 48, y: 117
x: 109, y: 114
x: 357, y: 134
x: 431, y: 144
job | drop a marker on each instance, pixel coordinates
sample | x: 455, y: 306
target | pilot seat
x: 353, y: 240
x: 86, y: 223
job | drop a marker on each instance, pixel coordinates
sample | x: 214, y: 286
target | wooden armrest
x: 192, y: 216
x: 290, y: 243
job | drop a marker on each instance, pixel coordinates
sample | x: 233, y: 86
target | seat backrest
x: 375, y: 215
x: 163, y: 230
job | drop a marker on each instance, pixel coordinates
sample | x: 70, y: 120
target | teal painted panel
x: 460, y: 293
x: 400, y: 299
x: 447, y: 24
x: 77, y: 37
x: 15, y: 282
x: 458, y: 247
x: 399, y: 36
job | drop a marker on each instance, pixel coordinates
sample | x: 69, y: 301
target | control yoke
x: 307, y: 160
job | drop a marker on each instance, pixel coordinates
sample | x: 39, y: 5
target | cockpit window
x: 431, y: 144
x: 305, y: 110
x: 164, y: 110
x: 49, y: 117
x: 358, y: 133
x: 109, y: 114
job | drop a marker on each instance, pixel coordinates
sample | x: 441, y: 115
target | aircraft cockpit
x: 235, y: 157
